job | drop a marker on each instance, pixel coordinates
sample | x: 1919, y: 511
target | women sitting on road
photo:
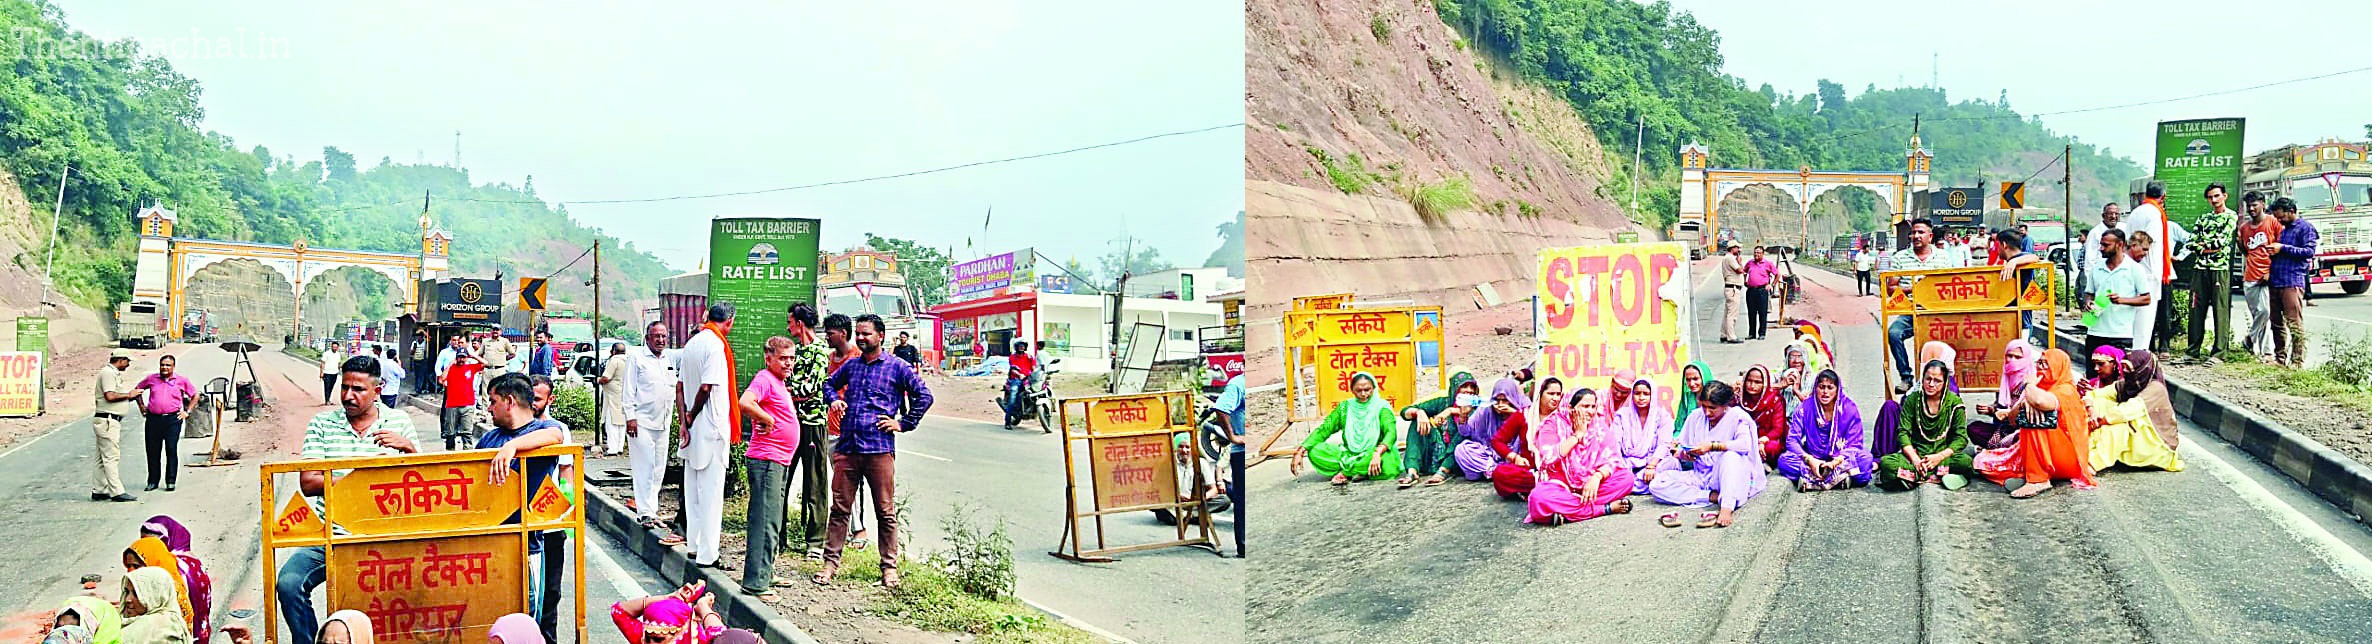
x: 1474, y: 454
x: 152, y: 614
x: 151, y: 552
x: 1639, y: 436
x: 1765, y: 410
x: 1433, y: 431
x: 2054, y: 431
x: 1931, y: 436
x: 193, y: 572
x: 1714, y: 462
x: 2108, y: 369
x: 1794, y: 381
x: 346, y: 627
x: 1883, y: 440
x: 686, y: 616
x: 1618, y: 393
x: 2127, y: 415
x: 516, y: 628
x: 1581, y: 474
x: 1996, y: 427
x: 1825, y: 440
x: 1355, y: 441
x: 1692, y: 383
x: 86, y: 620
x: 1513, y: 478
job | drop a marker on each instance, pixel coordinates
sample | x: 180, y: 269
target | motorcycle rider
x: 1017, y: 379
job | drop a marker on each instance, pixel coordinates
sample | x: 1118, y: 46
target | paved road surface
x: 56, y: 534
x: 2228, y: 550
x: 1167, y: 595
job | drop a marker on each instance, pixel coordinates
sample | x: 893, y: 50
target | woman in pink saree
x: 1580, y: 474
x: 1641, y: 434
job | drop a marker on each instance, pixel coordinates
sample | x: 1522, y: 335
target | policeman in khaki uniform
x: 115, y: 397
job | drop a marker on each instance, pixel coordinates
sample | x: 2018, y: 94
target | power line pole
x: 457, y: 149
x: 598, y: 354
x: 57, y: 215
x: 1637, y: 140
x: 2069, y: 241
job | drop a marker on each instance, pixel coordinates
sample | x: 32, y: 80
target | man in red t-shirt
x: 461, y: 394
x: 1017, y: 378
x: 2257, y: 232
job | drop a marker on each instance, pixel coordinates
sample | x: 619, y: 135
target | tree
x: 1145, y: 259
x: 925, y: 268
x: 1231, y: 247
x: 339, y: 164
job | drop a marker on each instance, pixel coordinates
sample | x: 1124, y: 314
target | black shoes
x: 120, y: 498
x: 168, y: 487
x: 151, y: 488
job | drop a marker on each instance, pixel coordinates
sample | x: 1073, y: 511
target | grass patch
x: 2305, y: 383
x: 1348, y: 174
x: 968, y: 589
x: 1526, y: 209
x: 1435, y: 201
x: 1381, y: 29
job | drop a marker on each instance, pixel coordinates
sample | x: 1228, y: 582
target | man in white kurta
x: 2150, y: 217
x: 647, y: 400
x: 613, y: 404
x: 700, y: 367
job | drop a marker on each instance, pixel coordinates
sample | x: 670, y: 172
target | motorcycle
x: 1038, y: 397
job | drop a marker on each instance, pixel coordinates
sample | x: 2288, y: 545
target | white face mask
x: 1469, y: 400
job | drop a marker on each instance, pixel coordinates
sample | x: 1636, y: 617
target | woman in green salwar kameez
x: 1355, y: 441
x: 1933, y: 434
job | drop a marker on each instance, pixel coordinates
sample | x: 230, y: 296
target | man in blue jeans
x: 1922, y: 255
x: 1231, y: 400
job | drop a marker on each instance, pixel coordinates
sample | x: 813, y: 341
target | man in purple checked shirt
x: 166, y: 406
x: 883, y: 398
x: 1759, y: 274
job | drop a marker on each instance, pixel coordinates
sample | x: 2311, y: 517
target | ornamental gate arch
x: 1702, y: 188
x: 166, y: 264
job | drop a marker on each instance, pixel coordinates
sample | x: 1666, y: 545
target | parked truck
x: 2332, y: 183
x: 137, y: 325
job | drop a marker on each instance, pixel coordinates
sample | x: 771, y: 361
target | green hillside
x: 1619, y: 62
x: 128, y: 125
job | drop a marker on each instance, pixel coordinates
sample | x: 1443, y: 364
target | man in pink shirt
x: 773, y: 450
x: 1759, y: 273
x: 166, y: 405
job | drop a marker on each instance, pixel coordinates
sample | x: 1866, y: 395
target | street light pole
x: 56, y: 215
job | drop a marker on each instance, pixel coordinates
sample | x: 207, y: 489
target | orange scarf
x: 731, y: 401
x: 2165, y: 241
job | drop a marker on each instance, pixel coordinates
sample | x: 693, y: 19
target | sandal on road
x: 1340, y: 480
x: 1407, y: 480
x: 1434, y: 480
x: 824, y: 578
x: 1709, y: 520
x: 1669, y: 520
x: 671, y: 540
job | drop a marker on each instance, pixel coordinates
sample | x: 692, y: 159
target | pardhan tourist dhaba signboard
x: 1607, y: 308
x: 1974, y: 311
x: 425, y: 544
x: 1340, y: 343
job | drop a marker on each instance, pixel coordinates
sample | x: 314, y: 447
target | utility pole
x: 2073, y: 244
x: 57, y: 215
x: 598, y: 354
x: 1637, y: 140
x: 457, y: 149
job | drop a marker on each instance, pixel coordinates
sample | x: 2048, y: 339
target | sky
x: 614, y: 100
x: 2059, y: 55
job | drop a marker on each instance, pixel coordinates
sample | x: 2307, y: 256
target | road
x: 57, y: 534
x: 2227, y: 550
x: 1166, y: 595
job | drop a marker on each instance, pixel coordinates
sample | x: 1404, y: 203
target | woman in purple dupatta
x: 1580, y: 475
x: 193, y: 573
x: 1640, y: 432
x: 1825, y: 440
x: 1714, y: 463
x: 1473, y: 454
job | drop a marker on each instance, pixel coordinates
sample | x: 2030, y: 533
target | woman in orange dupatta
x: 2054, y: 430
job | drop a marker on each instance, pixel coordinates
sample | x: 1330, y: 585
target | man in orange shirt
x: 2257, y: 232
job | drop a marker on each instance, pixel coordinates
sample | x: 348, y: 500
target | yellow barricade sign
x: 1327, y: 346
x: 1608, y: 308
x: 424, y: 544
x: 1134, y: 462
x: 1394, y: 366
x: 1974, y: 311
x: 1319, y: 302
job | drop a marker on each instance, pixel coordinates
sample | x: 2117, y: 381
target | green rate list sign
x: 761, y: 265
x: 2193, y: 154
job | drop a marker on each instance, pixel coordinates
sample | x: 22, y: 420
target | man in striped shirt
x: 361, y: 427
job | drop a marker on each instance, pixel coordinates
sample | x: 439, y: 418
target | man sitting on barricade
x: 363, y: 426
